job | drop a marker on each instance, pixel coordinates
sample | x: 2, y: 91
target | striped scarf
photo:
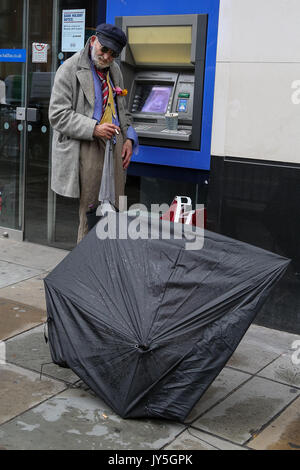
x: 105, y: 90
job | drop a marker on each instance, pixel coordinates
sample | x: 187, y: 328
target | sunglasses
x: 106, y: 50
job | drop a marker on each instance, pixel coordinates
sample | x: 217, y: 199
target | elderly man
x: 87, y: 107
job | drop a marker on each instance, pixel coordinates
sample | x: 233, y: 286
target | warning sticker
x: 39, y: 52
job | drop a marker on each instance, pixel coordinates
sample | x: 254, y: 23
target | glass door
x: 12, y: 133
x: 49, y: 218
x: 40, y: 72
x: 30, y: 53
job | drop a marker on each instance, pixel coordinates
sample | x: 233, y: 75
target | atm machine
x: 163, y: 67
x: 155, y: 93
x: 169, y: 64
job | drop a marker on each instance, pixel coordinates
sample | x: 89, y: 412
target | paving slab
x: 283, y: 370
x: 76, y: 419
x: 224, y: 384
x: 247, y: 410
x: 30, y: 350
x: 11, y: 273
x: 273, y: 340
x: 283, y: 433
x: 30, y: 254
x: 193, y: 439
x: 16, y: 317
x: 259, y: 347
x: 21, y: 389
x: 31, y: 291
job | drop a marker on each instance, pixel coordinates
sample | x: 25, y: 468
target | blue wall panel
x: 168, y: 156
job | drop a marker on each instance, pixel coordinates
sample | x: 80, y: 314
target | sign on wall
x: 73, y: 29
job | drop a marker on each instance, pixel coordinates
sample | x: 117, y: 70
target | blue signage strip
x: 12, y: 55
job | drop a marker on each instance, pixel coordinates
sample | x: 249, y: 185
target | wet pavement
x: 254, y: 403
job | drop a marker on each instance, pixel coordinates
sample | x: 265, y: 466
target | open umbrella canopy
x: 148, y: 324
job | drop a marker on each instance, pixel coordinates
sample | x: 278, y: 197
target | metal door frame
x: 7, y: 232
x: 15, y: 234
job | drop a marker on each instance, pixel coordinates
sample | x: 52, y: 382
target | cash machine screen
x: 158, y: 100
x: 151, y: 98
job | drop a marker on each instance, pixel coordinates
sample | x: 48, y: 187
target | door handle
x: 20, y: 114
x: 30, y: 114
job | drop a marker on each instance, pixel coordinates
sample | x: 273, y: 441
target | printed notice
x: 39, y: 52
x: 73, y: 29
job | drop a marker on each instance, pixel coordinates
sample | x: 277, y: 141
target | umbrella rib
x: 152, y: 385
x: 158, y: 309
x: 205, y: 278
x: 118, y: 311
x: 208, y: 311
x: 247, y: 295
x: 128, y: 351
x: 113, y: 301
x: 127, y: 299
x: 131, y: 381
x: 110, y: 298
x: 71, y: 299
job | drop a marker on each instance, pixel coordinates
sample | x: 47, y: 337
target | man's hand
x: 106, y: 130
x: 126, y: 153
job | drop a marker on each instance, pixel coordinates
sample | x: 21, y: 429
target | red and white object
x: 181, y: 212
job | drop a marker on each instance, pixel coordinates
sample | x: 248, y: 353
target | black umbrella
x: 148, y: 324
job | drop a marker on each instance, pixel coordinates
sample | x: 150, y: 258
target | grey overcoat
x: 71, y: 112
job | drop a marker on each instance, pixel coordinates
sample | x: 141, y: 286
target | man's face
x: 100, y: 59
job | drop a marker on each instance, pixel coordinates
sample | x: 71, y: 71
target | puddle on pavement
x: 16, y: 317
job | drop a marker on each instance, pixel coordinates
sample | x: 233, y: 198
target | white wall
x: 257, y: 88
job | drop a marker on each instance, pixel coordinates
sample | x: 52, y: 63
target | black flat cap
x: 111, y: 36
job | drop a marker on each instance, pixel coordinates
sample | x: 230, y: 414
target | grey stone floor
x: 254, y: 403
